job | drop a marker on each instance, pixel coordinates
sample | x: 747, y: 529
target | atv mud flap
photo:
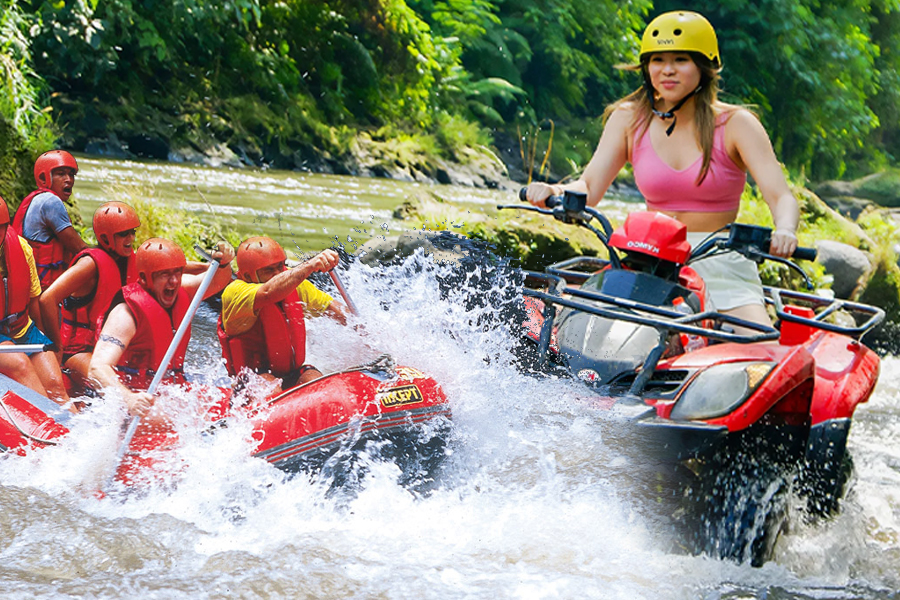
x: 680, y: 440
x: 828, y: 441
x: 828, y: 465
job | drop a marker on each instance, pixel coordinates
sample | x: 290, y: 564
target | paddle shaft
x: 343, y: 291
x: 24, y: 348
x: 164, y: 364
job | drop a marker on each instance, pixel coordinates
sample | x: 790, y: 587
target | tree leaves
x: 824, y: 75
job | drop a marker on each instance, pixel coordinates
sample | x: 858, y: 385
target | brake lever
x: 531, y: 208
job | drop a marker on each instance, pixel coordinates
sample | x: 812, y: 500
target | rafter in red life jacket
x: 16, y: 292
x: 155, y: 330
x: 275, y: 344
x: 81, y: 316
x: 50, y: 257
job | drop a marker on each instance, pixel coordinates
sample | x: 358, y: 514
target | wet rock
x: 442, y: 246
x: 882, y: 187
x: 221, y: 155
x: 476, y: 168
x: 186, y: 155
x: 148, y: 146
x: 849, y: 266
x: 849, y: 207
x: 419, y: 205
x: 111, y: 147
x: 218, y: 155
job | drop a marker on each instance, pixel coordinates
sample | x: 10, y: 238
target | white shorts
x: 731, y: 279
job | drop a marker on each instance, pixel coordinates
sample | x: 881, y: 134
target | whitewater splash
x: 539, y: 497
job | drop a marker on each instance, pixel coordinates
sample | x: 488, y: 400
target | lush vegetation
x: 24, y: 122
x: 295, y: 83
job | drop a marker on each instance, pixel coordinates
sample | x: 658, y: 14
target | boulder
x: 849, y: 207
x: 849, y: 266
x: 217, y: 155
x: 882, y: 187
x: 110, y: 147
x: 442, y: 246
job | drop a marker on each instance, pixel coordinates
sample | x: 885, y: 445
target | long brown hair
x: 706, y: 102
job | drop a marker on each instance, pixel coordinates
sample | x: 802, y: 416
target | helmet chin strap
x: 670, y: 114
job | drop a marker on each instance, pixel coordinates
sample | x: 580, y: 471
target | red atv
x: 744, y: 418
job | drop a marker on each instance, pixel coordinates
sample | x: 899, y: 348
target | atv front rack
x: 664, y: 320
x: 872, y: 314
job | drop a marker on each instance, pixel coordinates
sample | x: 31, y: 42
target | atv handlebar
x: 572, y: 208
x: 750, y: 240
x: 802, y: 253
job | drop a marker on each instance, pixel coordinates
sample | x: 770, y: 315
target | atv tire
x: 743, y: 512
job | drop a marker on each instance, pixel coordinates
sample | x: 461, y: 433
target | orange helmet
x: 48, y: 161
x: 255, y: 253
x: 112, y: 218
x: 158, y: 254
x: 4, y: 212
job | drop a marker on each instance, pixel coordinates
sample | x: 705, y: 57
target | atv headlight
x: 720, y: 389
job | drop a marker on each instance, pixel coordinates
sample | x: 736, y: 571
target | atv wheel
x: 743, y: 512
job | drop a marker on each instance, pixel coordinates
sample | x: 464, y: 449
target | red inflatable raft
x: 301, y: 429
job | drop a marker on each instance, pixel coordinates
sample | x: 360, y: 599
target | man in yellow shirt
x: 262, y: 325
x: 20, y: 311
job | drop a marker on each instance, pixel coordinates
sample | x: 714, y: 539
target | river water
x: 537, y: 498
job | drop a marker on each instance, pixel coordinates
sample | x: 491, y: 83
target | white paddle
x: 24, y: 348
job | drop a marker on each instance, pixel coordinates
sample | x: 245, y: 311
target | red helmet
x: 112, y: 218
x: 4, y: 212
x: 48, y: 161
x: 654, y: 234
x: 255, y: 253
x: 158, y: 254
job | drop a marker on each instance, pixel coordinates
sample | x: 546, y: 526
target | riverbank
x: 385, y: 154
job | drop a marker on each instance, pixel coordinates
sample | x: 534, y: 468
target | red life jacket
x: 275, y: 344
x: 51, y: 258
x: 80, y: 316
x: 16, y: 292
x: 155, y: 330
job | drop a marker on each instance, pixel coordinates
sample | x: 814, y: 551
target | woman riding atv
x: 690, y: 153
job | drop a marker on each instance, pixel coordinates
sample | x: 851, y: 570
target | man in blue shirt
x: 42, y: 217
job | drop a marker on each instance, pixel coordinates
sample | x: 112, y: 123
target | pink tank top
x: 666, y: 189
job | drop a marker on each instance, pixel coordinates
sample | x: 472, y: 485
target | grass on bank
x: 159, y: 220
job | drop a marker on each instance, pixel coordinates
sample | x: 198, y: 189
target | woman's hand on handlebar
x: 783, y: 244
x: 537, y: 193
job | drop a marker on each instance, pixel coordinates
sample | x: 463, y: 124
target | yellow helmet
x: 681, y: 31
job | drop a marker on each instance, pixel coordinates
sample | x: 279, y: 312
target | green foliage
x: 278, y: 79
x: 282, y: 81
x: 455, y: 134
x: 555, y: 56
x: 883, y: 289
x: 25, y: 128
x: 883, y: 188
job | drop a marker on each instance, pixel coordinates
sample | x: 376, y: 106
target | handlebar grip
x: 805, y: 253
x: 550, y: 202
